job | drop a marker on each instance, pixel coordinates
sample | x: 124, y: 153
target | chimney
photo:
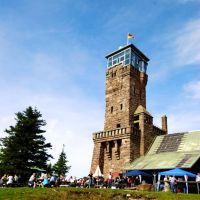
x: 164, y: 123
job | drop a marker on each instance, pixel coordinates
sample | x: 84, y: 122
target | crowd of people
x: 170, y: 183
x: 176, y: 184
x: 113, y: 182
x: 53, y: 180
x: 10, y: 180
x: 46, y: 180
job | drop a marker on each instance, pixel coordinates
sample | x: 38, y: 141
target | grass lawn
x: 88, y: 194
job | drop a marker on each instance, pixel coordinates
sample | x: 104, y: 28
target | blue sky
x: 52, y: 56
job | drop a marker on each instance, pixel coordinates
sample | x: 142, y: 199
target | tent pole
x: 154, y: 181
x: 158, y: 183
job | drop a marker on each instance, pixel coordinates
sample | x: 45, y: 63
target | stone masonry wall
x: 97, y: 156
x: 125, y: 90
x: 114, y: 148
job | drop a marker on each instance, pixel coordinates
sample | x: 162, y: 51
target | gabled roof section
x: 177, y: 142
x: 141, y: 109
x: 170, y: 151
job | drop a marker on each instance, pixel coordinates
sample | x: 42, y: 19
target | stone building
x: 128, y: 128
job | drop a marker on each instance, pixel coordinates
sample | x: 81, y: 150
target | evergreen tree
x: 60, y: 167
x: 49, y: 168
x: 24, y: 147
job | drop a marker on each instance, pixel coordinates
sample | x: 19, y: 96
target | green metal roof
x: 164, y: 161
x: 170, y: 151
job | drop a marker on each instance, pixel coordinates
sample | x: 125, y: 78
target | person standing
x: 110, y: 180
x: 198, y: 182
x: 90, y: 175
x: 173, y: 183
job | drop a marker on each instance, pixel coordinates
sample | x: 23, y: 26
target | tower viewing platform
x: 129, y: 54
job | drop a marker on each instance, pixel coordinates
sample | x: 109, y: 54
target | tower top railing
x: 114, y: 133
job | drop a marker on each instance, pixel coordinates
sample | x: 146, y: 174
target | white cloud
x: 70, y: 121
x: 184, y: 120
x: 175, y: 49
x: 5, y: 122
x: 192, y: 90
x: 183, y: 113
x: 180, y: 118
x: 186, y: 43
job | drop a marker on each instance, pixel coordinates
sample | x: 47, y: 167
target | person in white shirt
x: 10, y: 180
x: 32, y: 181
x: 198, y: 182
x: 173, y: 184
x: 109, y: 180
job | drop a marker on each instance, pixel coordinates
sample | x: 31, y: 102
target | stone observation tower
x: 128, y: 128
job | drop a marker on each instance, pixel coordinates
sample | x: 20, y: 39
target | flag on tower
x: 130, y: 36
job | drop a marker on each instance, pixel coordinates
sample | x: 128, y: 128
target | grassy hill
x: 87, y: 194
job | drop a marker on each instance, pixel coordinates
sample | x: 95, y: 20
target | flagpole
x: 129, y: 36
x: 127, y: 39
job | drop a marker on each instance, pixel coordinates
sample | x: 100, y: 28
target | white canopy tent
x: 97, y: 172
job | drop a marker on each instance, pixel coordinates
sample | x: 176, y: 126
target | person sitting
x: 1, y: 182
x: 137, y: 181
x: 32, y: 181
x: 52, y: 181
x: 4, y: 180
x: 166, y: 184
x: 10, y: 180
x: 45, y: 182
x: 58, y: 181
